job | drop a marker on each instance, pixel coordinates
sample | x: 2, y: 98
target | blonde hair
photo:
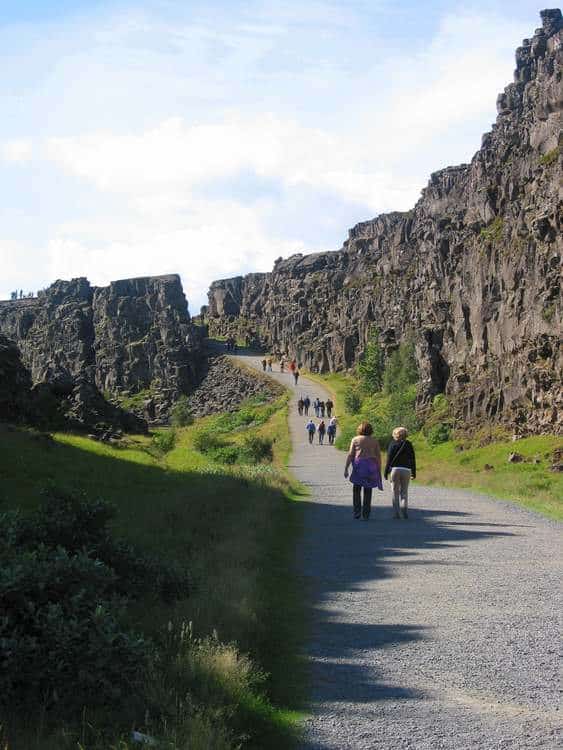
x: 365, y: 428
x: 400, y: 433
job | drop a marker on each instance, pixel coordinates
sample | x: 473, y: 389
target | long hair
x: 365, y: 428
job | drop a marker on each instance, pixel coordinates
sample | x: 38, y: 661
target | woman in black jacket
x: 401, y: 464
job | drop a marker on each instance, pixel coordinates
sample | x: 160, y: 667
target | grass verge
x: 232, y: 674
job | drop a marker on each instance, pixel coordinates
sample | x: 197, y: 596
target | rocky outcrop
x: 225, y: 386
x: 83, y: 341
x: 472, y: 273
x: 15, y: 382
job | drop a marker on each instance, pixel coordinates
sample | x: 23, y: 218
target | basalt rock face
x: 131, y: 336
x: 472, y: 273
x: 15, y: 382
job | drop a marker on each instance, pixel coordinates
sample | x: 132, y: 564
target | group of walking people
x: 321, y: 430
x: 319, y: 407
x: 364, y: 457
x: 293, y: 367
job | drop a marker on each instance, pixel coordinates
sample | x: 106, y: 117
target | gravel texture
x: 441, y: 631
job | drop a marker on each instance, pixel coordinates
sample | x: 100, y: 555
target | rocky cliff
x: 133, y: 336
x: 472, y: 273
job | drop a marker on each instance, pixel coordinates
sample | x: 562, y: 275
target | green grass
x: 235, y: 530
x: 550, y: 157
x: 528, y: 484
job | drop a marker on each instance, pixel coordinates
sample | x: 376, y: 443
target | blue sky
x: 209, y: 138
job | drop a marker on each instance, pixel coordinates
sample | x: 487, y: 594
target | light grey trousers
x: 400, y: 479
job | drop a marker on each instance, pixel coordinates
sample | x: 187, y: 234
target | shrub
x: 371, y: 366
x: 493, y: 232
x: 352, y: 401
x: 401, y: 369
x: 181, y: 414
x: 258, y: 448
x: 226, y: 454
x: 206, y: 441
x: 164, y: 440
x: 439, y: 433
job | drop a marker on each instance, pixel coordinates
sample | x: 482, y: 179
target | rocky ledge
x: 90, y: 345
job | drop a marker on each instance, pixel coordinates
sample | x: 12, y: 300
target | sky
x: 209, y: 138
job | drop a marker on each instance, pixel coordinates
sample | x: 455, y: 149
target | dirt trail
x: 438, y: 632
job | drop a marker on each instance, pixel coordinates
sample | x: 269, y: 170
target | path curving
x: 436, y: 633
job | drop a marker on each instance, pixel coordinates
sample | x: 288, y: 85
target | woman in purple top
x: 365, y: 457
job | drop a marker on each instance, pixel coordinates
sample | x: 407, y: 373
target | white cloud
x: 17, y: 151
x: 144, y: 115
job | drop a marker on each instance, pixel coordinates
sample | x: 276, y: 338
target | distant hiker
x: 300, y: 365
x: 311, y: 429
x: 329, y: 407
x: 306, y: 405
x: 300, y: 406
x: 269, y: 364
x: 331, y: 431
x: 322, y: 408
x: 401, y: 464
x: 365, y: 458
x: 321, y: 429
x: 317, y: 407
x: 264, y: 363
x: 282, y: 365
x: 293, y: 365
x: 296, y: 376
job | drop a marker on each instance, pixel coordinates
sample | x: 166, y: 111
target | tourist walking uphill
x: 365, y: 458
x: 401, y: 465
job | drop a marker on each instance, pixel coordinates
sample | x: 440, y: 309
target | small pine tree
x: 371, y: 367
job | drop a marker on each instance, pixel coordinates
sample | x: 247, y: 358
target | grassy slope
x: 529, y: 484
x: 234, y: 528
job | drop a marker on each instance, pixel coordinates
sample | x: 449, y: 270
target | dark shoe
x: 396, y: 515
x: 405, y: 514
x: 357, y: 516
x: 365, y: 518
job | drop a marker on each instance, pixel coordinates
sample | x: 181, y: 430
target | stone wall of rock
x: 15, y: 382
x: 472, y: 273
x: 134, y: 335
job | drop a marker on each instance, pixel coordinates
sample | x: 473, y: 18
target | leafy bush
x: 352, y: 401
x: 164, y: 440
x: 371, y: 367
x: 401, y: 369
x: 226, y: 454
x: 64, y: 582
x: 257, y: 448
x: 181, y: 414
x: 439, y: 433
x: 206, y: 441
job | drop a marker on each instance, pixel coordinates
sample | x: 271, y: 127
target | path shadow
x: 342, y: 556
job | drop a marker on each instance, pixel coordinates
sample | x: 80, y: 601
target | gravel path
x: 437, y: 632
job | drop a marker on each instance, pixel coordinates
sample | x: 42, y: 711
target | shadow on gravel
x: 346, y: 555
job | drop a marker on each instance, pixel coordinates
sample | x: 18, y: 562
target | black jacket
x: 400, y: 453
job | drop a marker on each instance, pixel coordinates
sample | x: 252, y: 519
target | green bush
x: 64, y: 583
x: 352, y: 401
x: 401, y: 369
x: 439, y: 433
x: 164, y: 440
x: 181, y: 414
x: 225, y: 454
x: 257, y: 448
x: 371, y: 366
